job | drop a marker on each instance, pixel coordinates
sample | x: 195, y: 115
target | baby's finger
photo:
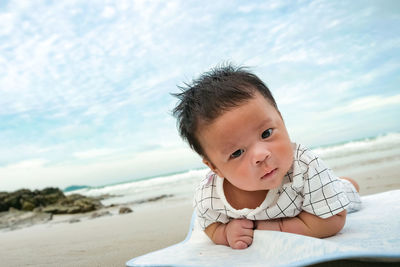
x: 247, y: 232
x: 247, y: 224
x: 247, y: 239
x: 239, y: 245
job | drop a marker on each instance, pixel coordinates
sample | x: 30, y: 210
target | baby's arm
x: 237, y: 234
x: 306, y: 224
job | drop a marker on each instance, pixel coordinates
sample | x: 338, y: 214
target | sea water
x: 362, y: 153
x: 350, y: 155
x: 180, y: 185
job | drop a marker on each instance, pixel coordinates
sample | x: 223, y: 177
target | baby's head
x: 230, y: 118
x: 212, y: 94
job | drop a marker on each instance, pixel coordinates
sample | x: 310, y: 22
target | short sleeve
x: 208, y: 205
x: 324, y: 195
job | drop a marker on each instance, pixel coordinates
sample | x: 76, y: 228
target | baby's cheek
x: 234, y: 174
x: 285, y: 151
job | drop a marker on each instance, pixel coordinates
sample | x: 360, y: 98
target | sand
x: 104, y: 241
x: 113, y: 240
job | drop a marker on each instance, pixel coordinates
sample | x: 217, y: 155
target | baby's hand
x: 239, y: 233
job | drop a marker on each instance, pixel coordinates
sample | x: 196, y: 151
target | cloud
x: 88, y: 62
x: 6, y: 23
x: 36, y: 174
x: 79, y: 65
x: 27, y: 165
x: 364, y: 103
x: 108, y: 12
x: 94, y: 153
x: 94, y: 78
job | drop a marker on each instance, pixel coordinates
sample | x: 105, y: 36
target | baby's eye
x: 237, y: 153
x: 266, y: 133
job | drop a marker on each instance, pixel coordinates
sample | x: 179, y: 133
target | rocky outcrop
x: 124, y: 210
x: 74, y: 204
x: 15, y: 219
x: 49, y: 200
x: 27, y: 200
x: 96, y: 214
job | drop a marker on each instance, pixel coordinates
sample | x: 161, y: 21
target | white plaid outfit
x: 309, y: 185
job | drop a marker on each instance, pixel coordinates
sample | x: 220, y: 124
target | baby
x: 259, y: 179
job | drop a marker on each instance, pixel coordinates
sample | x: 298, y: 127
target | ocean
x: 344, y: 158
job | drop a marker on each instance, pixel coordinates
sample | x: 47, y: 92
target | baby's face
x: 249, y: 146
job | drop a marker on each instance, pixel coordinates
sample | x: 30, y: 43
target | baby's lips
x: 268, y: 172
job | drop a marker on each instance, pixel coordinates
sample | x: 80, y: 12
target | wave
x: 183, y: 184
x: 384, y: 142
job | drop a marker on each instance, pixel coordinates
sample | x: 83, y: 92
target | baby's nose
x: 261, y: 154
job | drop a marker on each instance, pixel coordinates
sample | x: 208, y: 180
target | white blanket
x: 373, y: 233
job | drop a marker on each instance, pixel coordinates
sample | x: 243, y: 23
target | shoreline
x: 113, y: 240
x: 15, y: 219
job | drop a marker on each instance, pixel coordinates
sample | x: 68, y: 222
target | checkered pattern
x: 309, y: 185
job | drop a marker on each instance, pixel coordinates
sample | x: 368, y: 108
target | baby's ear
x: 212, y: 167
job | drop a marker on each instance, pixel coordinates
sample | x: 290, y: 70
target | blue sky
x: 84, y: 85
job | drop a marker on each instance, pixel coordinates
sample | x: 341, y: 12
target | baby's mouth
x: 268, y: 174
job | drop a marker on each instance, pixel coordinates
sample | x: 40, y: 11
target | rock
x: 75, y: 209
x: 13, y: 199
x: 49, y: 200
x: 74, y: 203
x: 13, y: 210
x: 25, y: 199
x: 152, y: 199
x: 15, y: 219
x: 86, y: 204
x: 27, y: 206
x: 49, y: 196
x: 124, y: 210
x: 3, y: 196
x: 100, y: 214
x: 55, y: 209
x: 38, y: 209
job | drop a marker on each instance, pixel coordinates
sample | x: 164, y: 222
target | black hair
x: 214, y: 92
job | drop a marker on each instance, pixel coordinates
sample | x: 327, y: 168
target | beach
x: 113, y: 239
x: 106, y: 241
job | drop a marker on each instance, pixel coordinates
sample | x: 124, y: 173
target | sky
x: 85, y: 85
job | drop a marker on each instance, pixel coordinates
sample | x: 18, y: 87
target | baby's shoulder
x: 304, y: 156
x: 209, y: 179
x: 206, y: 192
x: 207, y: 184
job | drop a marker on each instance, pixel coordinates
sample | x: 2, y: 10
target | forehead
x: 234, y: 125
